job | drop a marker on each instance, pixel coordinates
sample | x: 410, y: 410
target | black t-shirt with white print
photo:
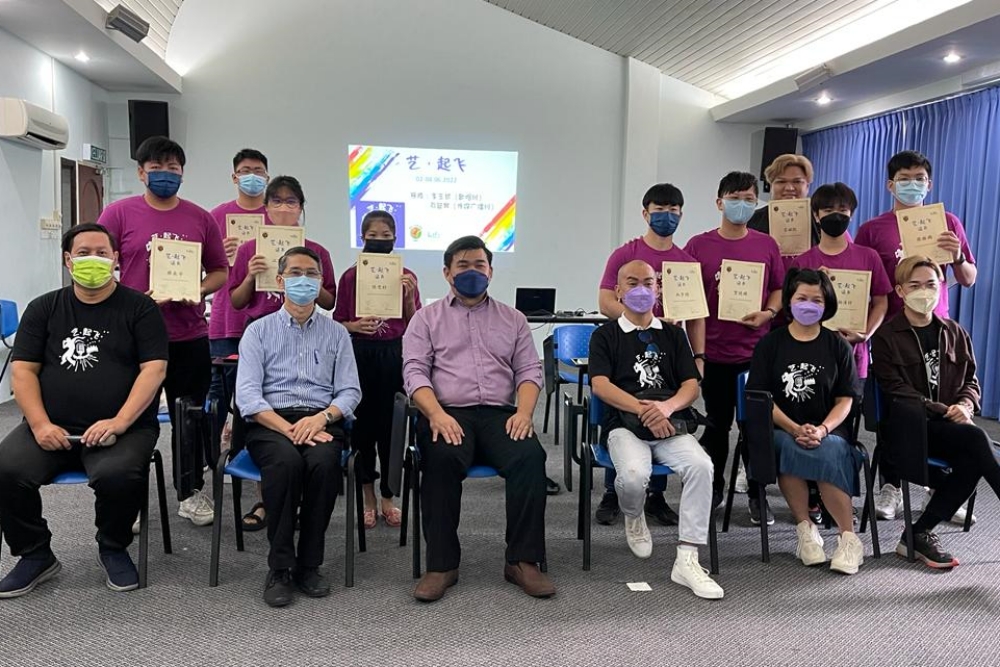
x: 90, y: 353
x: 804, y: 377
x: 653, y: 362
x: 929, y: 346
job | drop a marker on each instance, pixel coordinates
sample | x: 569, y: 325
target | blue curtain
x: 961, y: 137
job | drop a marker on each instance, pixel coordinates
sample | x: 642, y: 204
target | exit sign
x: 92, y: 153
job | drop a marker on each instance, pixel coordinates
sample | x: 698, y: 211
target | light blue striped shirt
x: 284, y: 365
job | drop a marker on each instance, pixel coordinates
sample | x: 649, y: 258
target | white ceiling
x: 160, y: 15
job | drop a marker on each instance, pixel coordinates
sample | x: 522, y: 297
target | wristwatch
x: 700, y: 355
x: 773, y: 312
x: 329, y: 417
x: 960, y: 259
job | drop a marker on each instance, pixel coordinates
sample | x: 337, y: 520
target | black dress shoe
x: 310, y: 581
x: 278, y: 590
x: 608, y: 510
x: 552, y: 487
x: 657, y: 509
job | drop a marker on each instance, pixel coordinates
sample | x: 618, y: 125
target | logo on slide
x: 416, y: 231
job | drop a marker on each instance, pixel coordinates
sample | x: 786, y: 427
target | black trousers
x: 969, y: 451
x: 294, y: 477
x: 189, y: 375
x: 380, y: 372
x: 118, y: 475
x: 520, y: 463
x: 718, y: 388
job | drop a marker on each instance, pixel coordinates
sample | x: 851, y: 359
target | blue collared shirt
x: 287, y: 365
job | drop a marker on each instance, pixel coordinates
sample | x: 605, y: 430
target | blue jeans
x: 223, y: 393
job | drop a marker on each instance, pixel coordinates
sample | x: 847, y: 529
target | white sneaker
x: 849, y: 556
x: 197, y: 508
x: 959, y: 516
x: 889, y: 502
x: 689, y: 572
x: 810, y: 547
x: 136, y: 527
x: 741, y: 480
x: 638, y: 537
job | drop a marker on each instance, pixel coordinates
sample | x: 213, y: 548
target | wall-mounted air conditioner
x: 31, y: 124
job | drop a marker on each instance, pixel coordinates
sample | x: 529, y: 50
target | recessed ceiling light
x: 823, y: 99
x: 952, y: 58
x: 82, y: 57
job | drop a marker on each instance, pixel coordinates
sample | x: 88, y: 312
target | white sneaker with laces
x: 688, y: 572
x: 849, y: 556
x: 638, y: 537
x: 958, y: 518
x: 741, y: 480
x: 810, y: 547
x: 197, y: 508
x: 889, y: 502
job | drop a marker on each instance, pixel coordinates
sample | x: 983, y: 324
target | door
x: 68, y: 201
x: 91, y: 193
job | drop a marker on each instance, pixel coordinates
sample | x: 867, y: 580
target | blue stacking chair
x: 594, y: 454
x: 569, y: 342
x: 238, y: 464
x: 8, y: 327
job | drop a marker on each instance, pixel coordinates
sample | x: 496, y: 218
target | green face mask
x: 91, y: 271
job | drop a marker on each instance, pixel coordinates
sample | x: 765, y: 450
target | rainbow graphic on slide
x: 499, y: 234
x: 364, y: 166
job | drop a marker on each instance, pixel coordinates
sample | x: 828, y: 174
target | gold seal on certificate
x: 851, y: 288
x: 919, y: 229
x: 379, y: 286
x: 273, y: 242
x: 243, y: 226
x: 790, y: 223
x: 741, y: 289
x: 175, y: 270
x: 683, y: 291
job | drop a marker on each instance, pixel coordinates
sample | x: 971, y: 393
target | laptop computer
x: 535, y: 300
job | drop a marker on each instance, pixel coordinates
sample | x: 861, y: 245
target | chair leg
x: 352, y: 500
x: 548, y: 405
x: 144, y: 537
x: 238, y: 511
x: 731, y: 494
x: 908, y: 520
x: 586, y: 484
x: 555, y: 434
x: 404, y: 524
x: 161, y: 490
x: 568, y: 445
x: 968, y: 513
x: 869, y: 508
x: 765, y: 551
x: 217, y: 493
x: 359, y: 503
x: 713, y: 542
x: 416, y: 520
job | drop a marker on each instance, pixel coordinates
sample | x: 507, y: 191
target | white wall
x: 29, y: 177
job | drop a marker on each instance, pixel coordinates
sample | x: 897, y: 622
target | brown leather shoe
x: 432, y: 585
x: 532, y: 581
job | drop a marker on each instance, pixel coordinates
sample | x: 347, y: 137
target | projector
x: 128, y: 22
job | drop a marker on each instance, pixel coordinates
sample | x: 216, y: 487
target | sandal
x: 371, y: 519
x: 393, y: 518
x: 252, y: 522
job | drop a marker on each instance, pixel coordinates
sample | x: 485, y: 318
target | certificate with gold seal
x: 379, y: 286
x: 741, y: 289
x: 243, y: 226
x: 790, y: 223
x: 175, y: 270
x: 919, y: 229
x: 683, y: 291
x: 273, y: 242
x: 852, y: 289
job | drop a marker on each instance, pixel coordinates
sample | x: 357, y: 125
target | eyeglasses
x: 277, y: 202
x: 246, y: 171
x: 919, y: 180
x: 295, y: 273
x: 797, y: 182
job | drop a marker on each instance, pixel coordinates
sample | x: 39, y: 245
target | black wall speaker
x: 777, y: 141
x: 146, y: 119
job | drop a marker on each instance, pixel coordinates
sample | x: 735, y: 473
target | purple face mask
x: 639, y: 299
x: 807, y: 313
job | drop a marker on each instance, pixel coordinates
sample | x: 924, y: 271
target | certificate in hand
x: 175, y: 270
x: 379, y: 286
x: 243, y: 226
x: 919, y: 229
x: 851, y: 288
x: 790, y: 224
x: 741, y: 289
x: 683, y: 291
x: 273, y: 242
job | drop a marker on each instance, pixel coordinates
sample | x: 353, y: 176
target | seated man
x: 644, y: 370
x: 88, y: 361
x: 928, y: 359
x: 296, y: 383
x: 464, y: 359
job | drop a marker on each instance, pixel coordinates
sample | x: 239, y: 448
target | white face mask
x: 922, y: 301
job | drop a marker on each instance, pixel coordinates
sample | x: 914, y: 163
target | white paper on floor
x: 639, y: 586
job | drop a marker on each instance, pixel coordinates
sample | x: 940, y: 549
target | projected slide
x: 435, y: 195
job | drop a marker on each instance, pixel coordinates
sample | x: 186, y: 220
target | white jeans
x: 633, y: 459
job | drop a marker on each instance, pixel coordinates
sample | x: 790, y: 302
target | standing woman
x: 378, y: 348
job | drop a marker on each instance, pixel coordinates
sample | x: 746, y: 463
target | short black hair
x: 908, y: 160
x: 796, y: 277
x: 287, y: 182
x: 249, y: 154
x: 378, y: 215
x: 159, y: 149
x: 76, y: 230
x: 833, y: 196
x: 663, y: 194
x: 299, y: 250
x: 737, y: 181
x: 463, y: 244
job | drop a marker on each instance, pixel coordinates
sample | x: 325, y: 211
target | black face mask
x: 834, y: 224
x: 382, y: 246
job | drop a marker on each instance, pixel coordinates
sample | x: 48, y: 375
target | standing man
x: 135, y: 222
x: 87, y: 363
x: 789, y: 176
x: 470, y: 365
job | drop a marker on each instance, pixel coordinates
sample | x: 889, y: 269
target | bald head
x: 636, y: 272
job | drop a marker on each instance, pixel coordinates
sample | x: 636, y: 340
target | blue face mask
x: 251, y: 184
x: 664, y: 223
x: 163, y: 184
x: 301, y: 290
x: 471, y: 283
x: 738, y: 211
x: 911, y: 193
